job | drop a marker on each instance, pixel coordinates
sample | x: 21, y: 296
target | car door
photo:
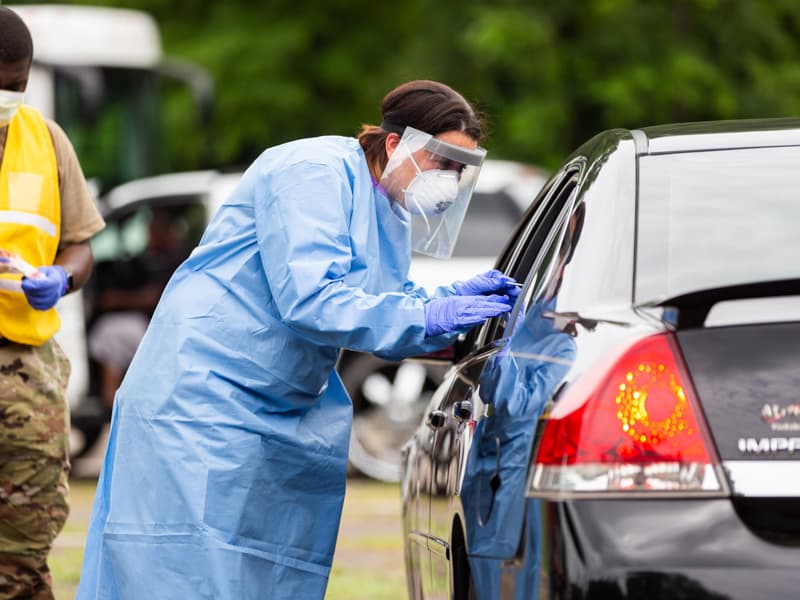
x: 418, y: 456
x: 453, y: 416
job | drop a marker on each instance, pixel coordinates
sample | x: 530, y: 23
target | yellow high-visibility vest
x: 30, y: 222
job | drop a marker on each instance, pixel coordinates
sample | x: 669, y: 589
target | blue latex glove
x: 455, y: 312
x: 45, y: 288
x: 491, y: 282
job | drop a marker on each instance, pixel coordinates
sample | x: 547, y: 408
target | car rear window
x: 716, y: 219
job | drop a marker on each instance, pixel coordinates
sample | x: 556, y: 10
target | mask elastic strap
x: 419, y: 172
x: 435, y: 233
x: 411, y: 156
x: 422, y: 214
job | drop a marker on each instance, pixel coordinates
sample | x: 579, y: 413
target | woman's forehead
x: 457, y: 138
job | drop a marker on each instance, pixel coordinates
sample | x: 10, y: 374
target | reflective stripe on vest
x: 30, y: 222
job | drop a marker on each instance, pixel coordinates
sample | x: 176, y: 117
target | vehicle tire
x: 463, y: 585
x: 389, y: 399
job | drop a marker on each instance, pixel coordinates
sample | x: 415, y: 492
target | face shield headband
x: 433, y: 182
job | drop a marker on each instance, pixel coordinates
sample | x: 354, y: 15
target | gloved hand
x: 454, y: 312
x: 493, y: 281
x: 43, y: 289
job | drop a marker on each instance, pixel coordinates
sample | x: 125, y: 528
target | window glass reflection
x: 714, y: 219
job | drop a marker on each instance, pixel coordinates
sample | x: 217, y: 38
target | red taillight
x: 632, y: 424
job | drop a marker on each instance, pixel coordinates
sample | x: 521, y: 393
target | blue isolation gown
x: 225, y: 471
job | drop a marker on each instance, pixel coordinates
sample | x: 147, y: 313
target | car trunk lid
x: 747, y: 378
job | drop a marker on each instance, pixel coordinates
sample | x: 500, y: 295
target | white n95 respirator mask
x: 9, y: 105
x: 431, y: 192
x: 432, y: 182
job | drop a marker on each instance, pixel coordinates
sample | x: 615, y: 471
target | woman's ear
x: 392, y: 141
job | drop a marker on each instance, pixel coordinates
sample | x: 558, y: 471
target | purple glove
x: 45, y: 288
x: 456, y: 312
x: 493, y: 281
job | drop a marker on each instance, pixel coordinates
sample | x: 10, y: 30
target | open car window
x: 519, y: 259
x: 544, y: 280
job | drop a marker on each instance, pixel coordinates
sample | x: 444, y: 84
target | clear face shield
x: 433, y: 181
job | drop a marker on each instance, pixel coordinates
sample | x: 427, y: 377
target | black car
x: 631, y: 430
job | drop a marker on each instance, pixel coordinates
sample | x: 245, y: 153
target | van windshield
x: 111, y: 116
x: 716, y: 219
x: 125, y: 123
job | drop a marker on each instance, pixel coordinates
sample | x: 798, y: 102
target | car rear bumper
x: 642, y: 550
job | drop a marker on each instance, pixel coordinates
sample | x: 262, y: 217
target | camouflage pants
x: 34, y: 465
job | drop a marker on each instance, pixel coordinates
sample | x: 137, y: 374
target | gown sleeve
x: 443, y: 291
x: 302, y: 215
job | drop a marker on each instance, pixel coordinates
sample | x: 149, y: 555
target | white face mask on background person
x: 9, y: 104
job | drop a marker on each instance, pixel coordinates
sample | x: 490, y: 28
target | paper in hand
x: 11, y: 263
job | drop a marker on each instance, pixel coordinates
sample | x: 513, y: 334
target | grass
x: 368, y: 564
x: 67, y: 555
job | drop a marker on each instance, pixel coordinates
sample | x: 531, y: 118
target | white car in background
x: 386, y: 396
x: 127, y: 209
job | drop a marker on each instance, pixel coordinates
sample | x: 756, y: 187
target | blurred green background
x: 547, y: 74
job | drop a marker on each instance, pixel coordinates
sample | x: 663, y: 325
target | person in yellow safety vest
x: 47, y: 217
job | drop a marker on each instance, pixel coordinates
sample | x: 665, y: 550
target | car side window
x: 544, y: 274
x: 474, y: 339
x: 139, y: 249
x: 520, y: 258
x: 128, y: 231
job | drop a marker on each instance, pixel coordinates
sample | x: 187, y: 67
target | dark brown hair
x: 426, y: 105
x: 15, y: 42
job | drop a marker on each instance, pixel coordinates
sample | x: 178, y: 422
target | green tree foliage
x: 548, y: 74
x: 553, y: 74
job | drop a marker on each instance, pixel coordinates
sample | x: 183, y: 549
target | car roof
x: 717, y: 135
x: 172, y: 184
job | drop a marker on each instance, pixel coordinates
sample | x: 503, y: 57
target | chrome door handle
x: 462, y: 410
x: 436, y: 418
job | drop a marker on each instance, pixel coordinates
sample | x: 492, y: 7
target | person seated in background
x: 127, y: 297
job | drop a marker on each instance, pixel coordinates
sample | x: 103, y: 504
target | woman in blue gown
x: 225, y: 471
